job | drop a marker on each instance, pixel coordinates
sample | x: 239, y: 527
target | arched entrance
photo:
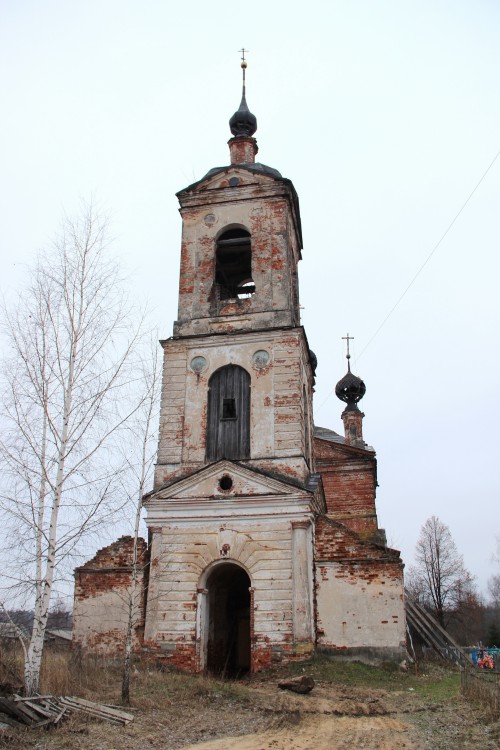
x: 228, y: 632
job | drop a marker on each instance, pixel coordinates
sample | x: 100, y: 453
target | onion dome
x: 243, y: 122
x: 350, y: 389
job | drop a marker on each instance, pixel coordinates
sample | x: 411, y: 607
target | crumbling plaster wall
x: 276, y: 554
x: 103, y: 593
x: 359, y: 591
x: 278, y: 410
x: 264, y: 207
x: 359, y: 606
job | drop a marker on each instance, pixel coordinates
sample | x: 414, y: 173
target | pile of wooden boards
x: 45, y: 710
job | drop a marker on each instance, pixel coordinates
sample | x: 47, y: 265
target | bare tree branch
x: 439, y: 579
x: 70, y: 390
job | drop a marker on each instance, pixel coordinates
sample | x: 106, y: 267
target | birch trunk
x: 72, y: 348
x: 145, y: 424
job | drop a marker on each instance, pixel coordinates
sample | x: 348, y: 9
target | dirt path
x: 323, y: 733
x: 327, y: 719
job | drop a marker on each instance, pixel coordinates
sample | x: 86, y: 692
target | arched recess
x: 228, y: 420
x: 233, y: 264
x: 224, y: 636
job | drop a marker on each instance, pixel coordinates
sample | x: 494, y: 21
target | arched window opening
x: 228, y: 422
x: 233, y: 265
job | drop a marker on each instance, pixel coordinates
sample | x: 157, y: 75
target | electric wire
x: 415, y: 277
x: 428, y: 258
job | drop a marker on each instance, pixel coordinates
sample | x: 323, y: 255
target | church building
x: 264, y: 544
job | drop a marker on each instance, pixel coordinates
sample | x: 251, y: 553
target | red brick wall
x: 349, y: 481
x: 355, y: 556
x: 101, y: 589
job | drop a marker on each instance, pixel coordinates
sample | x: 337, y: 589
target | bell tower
x: 238, y: 374
x: 263, y: 535
x: 241, y: 242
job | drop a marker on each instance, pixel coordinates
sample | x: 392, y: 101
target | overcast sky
x: 386, y: 117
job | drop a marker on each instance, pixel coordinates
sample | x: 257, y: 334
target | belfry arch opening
x: 233, y: 264
x: 228, y: 631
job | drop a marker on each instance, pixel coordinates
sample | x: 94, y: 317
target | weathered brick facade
x: 264, y: 540
x: 103, y: 596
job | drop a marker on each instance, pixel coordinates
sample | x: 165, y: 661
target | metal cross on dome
x: 243, y: 65
x: 348, y: 355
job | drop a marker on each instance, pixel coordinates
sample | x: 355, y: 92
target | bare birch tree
x: 439, y: 578
x: 142, y: 432
x: 68, y: 390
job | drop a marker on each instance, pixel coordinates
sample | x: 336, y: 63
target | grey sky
x: 385, y: 115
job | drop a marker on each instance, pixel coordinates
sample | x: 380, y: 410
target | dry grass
x: 62, y: 673
x: 174, y: 710
x: 171, y: 708
x: 483, y: 687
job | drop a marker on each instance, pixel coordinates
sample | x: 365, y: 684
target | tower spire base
x: 243, y: 149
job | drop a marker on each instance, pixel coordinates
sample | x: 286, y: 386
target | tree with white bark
x: 439, y: 578
x: 69, y: 387
x: 142, y: 439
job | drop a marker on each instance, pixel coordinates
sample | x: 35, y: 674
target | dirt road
x: 326, y: 719
x: 324, y: 733
x: 341, y: 718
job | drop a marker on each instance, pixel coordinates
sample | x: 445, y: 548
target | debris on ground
x: 302, y: 685
x: 45, y: 710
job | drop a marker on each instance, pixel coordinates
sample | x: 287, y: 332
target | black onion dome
x: 243, y: 122
x: 350, y: 389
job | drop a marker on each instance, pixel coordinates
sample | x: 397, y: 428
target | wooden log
x: 302, y: 685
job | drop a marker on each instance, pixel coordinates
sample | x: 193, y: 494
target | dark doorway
x: 228, y: 647
x: 228, y: 423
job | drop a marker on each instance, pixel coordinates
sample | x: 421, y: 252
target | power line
x: 427, y: 259
x: 415, y: 277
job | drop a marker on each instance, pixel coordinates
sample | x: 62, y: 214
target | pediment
x: 220, y: 177
x: 226, y: 479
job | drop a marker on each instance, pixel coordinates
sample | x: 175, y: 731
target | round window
x: 198, y: 364
x: 261, y: 359
x: 225, y: 483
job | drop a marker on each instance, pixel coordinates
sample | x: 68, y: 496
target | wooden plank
x: 105, y: 709
x: 10, y: 708
x: 92, y: 712
x: 39, y: 709
x: 60, y: 715
x: 28, y: 715
x: 6, y: 720
x: 32, y: 698
x: 97, y: 709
